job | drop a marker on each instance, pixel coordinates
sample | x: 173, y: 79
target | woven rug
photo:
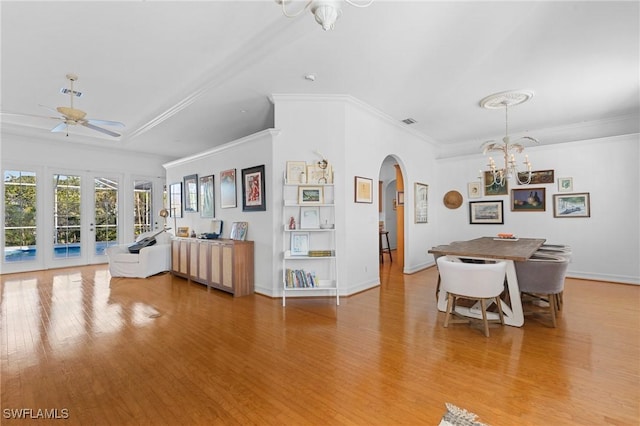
x: 456, y: 416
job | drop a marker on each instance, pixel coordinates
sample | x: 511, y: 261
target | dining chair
x: 542, y: 279
x: 553, y: 251
x: 481, y: 282
x: 436, y: 256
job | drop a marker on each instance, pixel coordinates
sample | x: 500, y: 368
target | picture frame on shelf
x: 318, y: 175
x: 421, y: 202
x: 309, y: 217
x: 296, y: 172
x: 207, y: 198
x: 183, y: 231
x: 363, y: 190
x: 216, y: 227
x: 492, y: 188
x: 228, y: 198
x: 474, y: 189
x: 253, y: 189
x: 239, y: 231
x: 175, y: 199
x: 310, y: 195
x: 538, y: 177
x: 565, y: 184
x: 191, y: 193
x: 528, y: 200
x: 486, y: 212
x: 299, y: 244
x: 572, y: 205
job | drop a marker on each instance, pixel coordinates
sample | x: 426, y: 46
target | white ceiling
x: 186, y: 76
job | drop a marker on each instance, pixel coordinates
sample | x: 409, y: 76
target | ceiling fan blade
x: 60, y: 127
x: 105, y: 122
x: 49, y: 108
x: 100, y: 129
x: 16, y: 114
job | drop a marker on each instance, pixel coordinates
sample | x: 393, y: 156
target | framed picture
x: 474, y: 190
x: 486, y: 212
x: 565, y: 184
x: 228, y: 189
x: 400, y: 198
x: 363, y: 189
x: 253, y: 190
x: 538, y: 177
x: 318, y: 175
x: 183, y: 231
x: 309, y: 217
x: 421, y: 202
x: 571, y: 205
x: 492, y: 188
x: 299, y: 243
x: 175, y: 199
x: 207, y: 203
x: 216, y: 227
x: 310, y: 195
x: 528, y: 200
x: 239, y: 231
x: 296, y: 172
x: 191, y: 193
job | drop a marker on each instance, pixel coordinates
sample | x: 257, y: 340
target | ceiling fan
x: 71, y: 116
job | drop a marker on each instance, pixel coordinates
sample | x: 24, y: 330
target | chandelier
x: 326, y: 12
x: 507, y: 148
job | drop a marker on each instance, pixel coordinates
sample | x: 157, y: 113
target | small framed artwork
x: 571, y: 205
x: 318, y: 175
x: 183, y: 231
x: 310, y: 195
x: 299, y: 243
x: 492, y: 188
x: 421, y: 202
x: 175, y: 199
x: 207, y: 203
x: 363, y: 188
x: 253, y: 190
x: 296, y: 172
x: 474, y: 190
x: 400, y: 197
x: 486, y: 212
x: 528, y: 200
x: 538, y: 177
x: 239, y: 231
x: 565, y: 184
x: 309, y: 217
x: 191, y: 193
x: 216, y: 227
x: 228, y: 189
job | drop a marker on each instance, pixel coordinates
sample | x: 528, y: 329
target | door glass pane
x: 106, y: 214
x: 19, y: 216
x: 142, y: 207
x: 66, y: 216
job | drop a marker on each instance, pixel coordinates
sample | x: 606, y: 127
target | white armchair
x: 150, y: 261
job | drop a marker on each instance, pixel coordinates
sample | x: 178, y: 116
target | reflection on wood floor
x: 165, y: 351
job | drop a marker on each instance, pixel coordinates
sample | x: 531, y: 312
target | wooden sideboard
x: 226, y: 265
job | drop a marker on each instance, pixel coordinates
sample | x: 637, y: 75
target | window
x: 19, y: 216
x: 142, y: 207
x: 66, y: 216
x: 106, y: 213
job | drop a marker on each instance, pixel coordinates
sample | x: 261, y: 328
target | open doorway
x: 391, y: 210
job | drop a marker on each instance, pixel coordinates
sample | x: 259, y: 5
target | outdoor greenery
x: 20, y: 208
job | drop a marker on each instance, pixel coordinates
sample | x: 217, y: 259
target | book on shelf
x: 299, y: 278
x: 321, y: 253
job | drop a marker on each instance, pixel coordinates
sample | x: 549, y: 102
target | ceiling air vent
x: 408, y: 121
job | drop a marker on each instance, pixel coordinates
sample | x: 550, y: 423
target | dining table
x: 493, y: 248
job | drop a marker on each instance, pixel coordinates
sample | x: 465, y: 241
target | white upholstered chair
x: 474, y: 281
x: 542, y: 278
x: 150, y: 261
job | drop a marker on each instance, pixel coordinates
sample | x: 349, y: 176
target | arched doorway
x: 391, y: 206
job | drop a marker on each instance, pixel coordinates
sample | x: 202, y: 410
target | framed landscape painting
x: 486, y: 212
x: 571, y: 205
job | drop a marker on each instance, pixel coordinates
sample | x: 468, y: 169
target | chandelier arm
x: 359, y: 5
x: 288, y: 15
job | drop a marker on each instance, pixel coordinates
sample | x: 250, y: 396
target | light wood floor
x: 165, y: 351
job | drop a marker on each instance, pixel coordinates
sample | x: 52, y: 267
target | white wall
x: 606, y: 246
x: 254, y: 150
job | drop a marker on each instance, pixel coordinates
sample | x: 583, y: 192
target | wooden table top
x: 488, y: 247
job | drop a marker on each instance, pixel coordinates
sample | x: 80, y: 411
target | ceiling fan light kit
x: 508, y: 149
x: 326, y: 12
